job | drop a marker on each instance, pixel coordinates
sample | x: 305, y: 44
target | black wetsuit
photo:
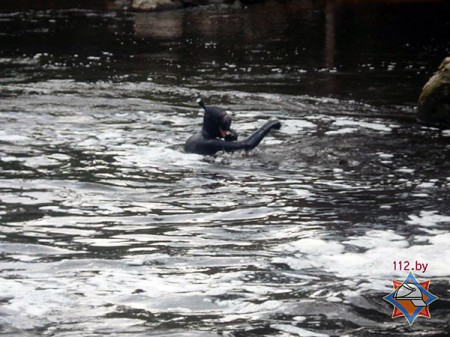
x: 216, y: 134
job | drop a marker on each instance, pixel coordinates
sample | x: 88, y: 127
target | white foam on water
x: 311, y: 246
x: 155, y: 155
x: 29, y: 198
x: 342, y: 131
x: 426, y: 185
x: 385, y: 155
x: 51, y: 289
x: 293, y: 127
x: 59, y: 156
x: 250, y: 309
x: 104, y: 242
x: 31, y: 304
x: 186, y: 241
x: 294, y: 330
x: 343, y: 121
x: 428, y: 219
x: 405, y: 170
x: 12, y: 138
x: 380, y: 248
x: 34, y: 249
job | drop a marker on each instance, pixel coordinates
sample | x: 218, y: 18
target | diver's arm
x: 253, y: 140
x: 247, y: 144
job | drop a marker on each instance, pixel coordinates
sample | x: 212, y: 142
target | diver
x: 216, y: 134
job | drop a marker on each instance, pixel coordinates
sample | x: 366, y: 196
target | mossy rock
x: 434, y: 101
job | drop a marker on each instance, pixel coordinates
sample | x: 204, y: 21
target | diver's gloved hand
x: 232, y: 135
x: 275, y: 124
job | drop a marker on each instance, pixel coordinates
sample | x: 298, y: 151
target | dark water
x: 109, y: 229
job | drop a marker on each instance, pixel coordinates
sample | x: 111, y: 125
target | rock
x: 120, y: 5
x: 155, y: 5
x: 434, y: 101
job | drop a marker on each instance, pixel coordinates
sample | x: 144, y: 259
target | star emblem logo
x: 411, y: 299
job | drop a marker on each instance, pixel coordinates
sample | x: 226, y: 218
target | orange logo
x: 411, y: 299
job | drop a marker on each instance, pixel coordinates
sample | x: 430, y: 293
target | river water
x: 109, y: 229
